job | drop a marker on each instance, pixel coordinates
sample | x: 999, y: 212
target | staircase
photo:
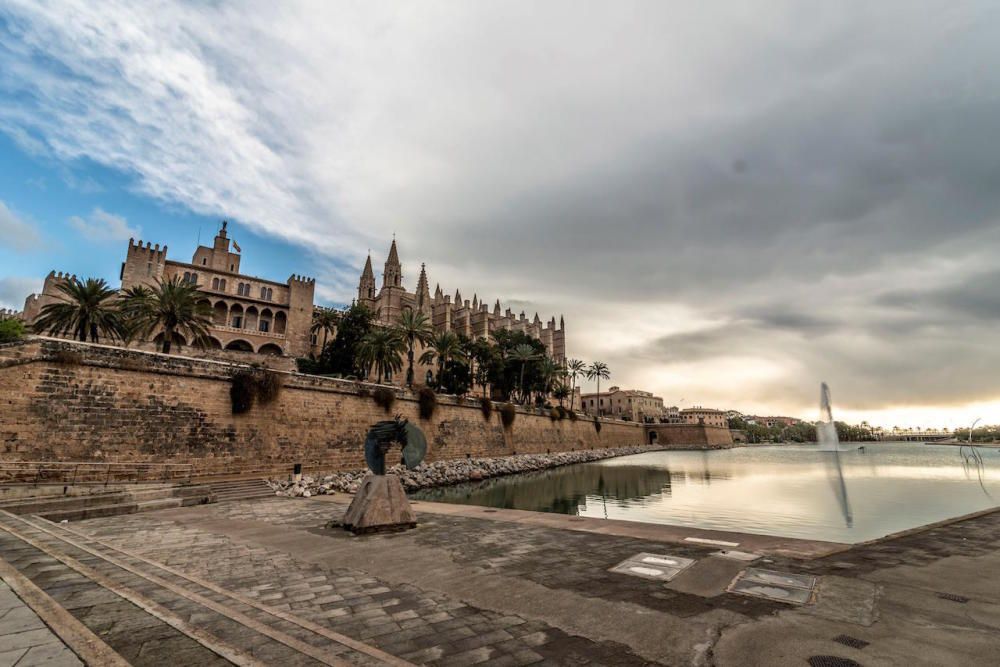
x: 111, y: 503
x: 240, y: 489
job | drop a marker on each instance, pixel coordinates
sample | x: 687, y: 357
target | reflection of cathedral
x: 473, y: 319
x: 561, y: 490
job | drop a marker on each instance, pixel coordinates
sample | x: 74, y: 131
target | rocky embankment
x: 442, y: 473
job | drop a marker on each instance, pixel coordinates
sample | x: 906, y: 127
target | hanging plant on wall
x: 242, y: 389
x: 507, y: 415
x: 427, y: 400
x: 384, y: 398
x: 261, y: 385
x: 486, y: 407
x: 597, y: 425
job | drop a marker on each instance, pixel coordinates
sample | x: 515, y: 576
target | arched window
x: 194, y: 278
x: 429, y: 378
x: 187, y: 276
x: 222, y: 284
x: 268, y: 293
x: 263, y: 292
x: 215, y: 283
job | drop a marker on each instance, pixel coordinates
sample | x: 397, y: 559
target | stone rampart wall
x: 63, y: 400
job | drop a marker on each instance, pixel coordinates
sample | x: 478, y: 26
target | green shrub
x: 242, y: 391
x: 486, y: 407
x: 563, y: 412
x: 572, y: 415
x: 384, y: 398
x: 260, y: 384
x: 554, y: 415
x: 11, y: 330
x: 269, y: 386
x: 507, y: 415
x: 427, y: 400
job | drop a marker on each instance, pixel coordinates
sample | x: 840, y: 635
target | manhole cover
x: 853, y: 642
x: 831, y: 661
x: 777, y: 586
x: 659, y: 567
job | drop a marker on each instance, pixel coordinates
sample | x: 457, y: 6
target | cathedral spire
x: 475, y: 302
x: 393, y: 274
x: 366, y: 286
x: 458, y: 299
x: 423, y: 290
x: 496, y: 308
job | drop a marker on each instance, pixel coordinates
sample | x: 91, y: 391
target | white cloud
x: 15, y: 289
x: 15, y: 232
x: 103, y: 226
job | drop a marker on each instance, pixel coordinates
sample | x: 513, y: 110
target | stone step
x: 195, y: 621
x: 242, y: 489
x: 94, y: 512
x: 48, y: 505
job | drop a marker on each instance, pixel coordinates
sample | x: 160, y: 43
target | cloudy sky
x: 729, y: 202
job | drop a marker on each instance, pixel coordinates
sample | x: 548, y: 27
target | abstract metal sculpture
x: 384, y: 434
x: 380, y: 503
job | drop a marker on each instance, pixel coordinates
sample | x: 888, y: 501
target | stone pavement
x: 25, y: 640
x: 480, y: 586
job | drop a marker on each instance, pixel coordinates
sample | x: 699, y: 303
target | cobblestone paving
x: 417, y: 625
x: 25, y: 639
x: 135, y: 635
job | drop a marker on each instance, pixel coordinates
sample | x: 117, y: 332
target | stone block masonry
x: 62, y: 400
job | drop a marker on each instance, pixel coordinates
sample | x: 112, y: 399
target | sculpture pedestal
x: 379, y: 505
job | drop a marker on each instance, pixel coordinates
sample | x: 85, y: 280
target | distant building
x: 771, y: 422
x: 707, y: 416
x: 631, y: 404
x: 249, y: 314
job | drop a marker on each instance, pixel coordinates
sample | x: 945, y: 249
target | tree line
x: 509, y: 366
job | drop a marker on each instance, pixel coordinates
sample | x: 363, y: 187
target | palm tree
x: 443, y: 347
x: 561, y: 391
x: 325, y: 320
x: 172, y: 306
x: 87, y: 308
x: 132, y: 301
x: 523, y: 353
x: 382, y: 348
x: 574, y: 369
x: 549, y: 372
x: 415, y: 327
x: 598, y: 371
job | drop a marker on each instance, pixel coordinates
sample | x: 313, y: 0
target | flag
x: 236, y: 245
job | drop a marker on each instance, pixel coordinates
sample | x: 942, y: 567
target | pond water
x: 786, y: 490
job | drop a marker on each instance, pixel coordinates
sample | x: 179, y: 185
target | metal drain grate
x: 831, y: 661
x: 853, y: 642
x: 490, y: 511
x: 954, y: 598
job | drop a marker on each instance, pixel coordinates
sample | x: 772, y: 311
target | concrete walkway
x: 478, y: 586
x: 25, y: 640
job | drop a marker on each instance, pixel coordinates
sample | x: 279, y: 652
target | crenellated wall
x: 62, y: 400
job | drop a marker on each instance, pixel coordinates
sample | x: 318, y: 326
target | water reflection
x: 772, y: 490
x: 562, y: 490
